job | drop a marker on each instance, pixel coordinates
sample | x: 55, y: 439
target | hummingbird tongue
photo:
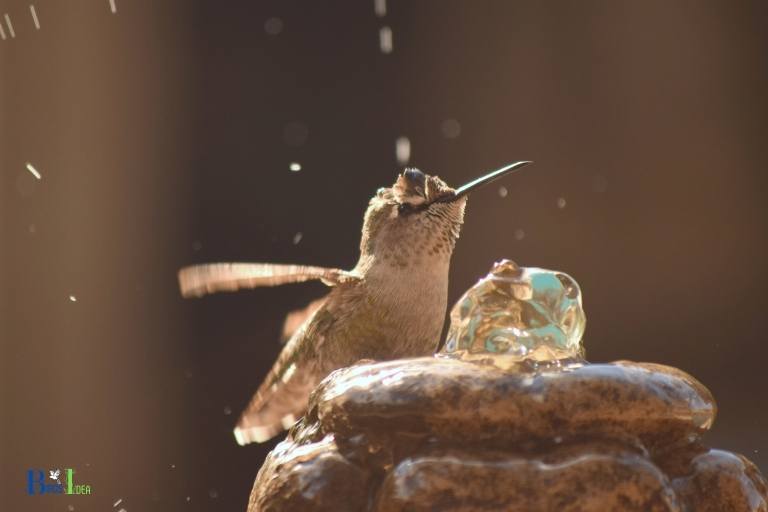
x: 484, y: 180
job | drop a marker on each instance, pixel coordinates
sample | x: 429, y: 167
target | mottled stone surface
x: 464, y: 480
x: 312, y: 477
x: 473, y: 402
x: 450, y: 435
x: 717, y: 480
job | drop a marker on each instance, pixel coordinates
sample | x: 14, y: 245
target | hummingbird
x: 391, y: 305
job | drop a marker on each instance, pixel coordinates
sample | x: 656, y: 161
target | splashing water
x: 451, y: 128
x: 273, y: 26
x: 10, y: 26
x: 34, y: 16
x: 385, y: 40
x: 403, y: 150
x: 518, y: 315
x: 380, y: 8
x: 34, y: 171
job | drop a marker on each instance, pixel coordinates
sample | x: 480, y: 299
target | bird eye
x: 405, y: 208
x: 415, y: 176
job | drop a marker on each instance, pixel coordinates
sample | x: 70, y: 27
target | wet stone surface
x: 437, y: 434
x: 463, y: 480
x: 471, y: 402
x: 310, y: 477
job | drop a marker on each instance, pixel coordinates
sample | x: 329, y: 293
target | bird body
x: 391, y: 305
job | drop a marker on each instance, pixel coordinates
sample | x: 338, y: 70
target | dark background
x: 163, y: 133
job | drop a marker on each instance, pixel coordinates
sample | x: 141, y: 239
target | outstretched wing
x: 276, y: 408
x: 199, y: 280
x: 282, y: 397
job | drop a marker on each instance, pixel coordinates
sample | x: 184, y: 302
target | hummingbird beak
x: 484, y: 180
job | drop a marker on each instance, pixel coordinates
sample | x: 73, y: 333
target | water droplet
x: 519, y: 234
x: 34, y: 172
x: 213, y: 493
x: 72, y: 298
x: 503, y: 191
x: 297, y: 238
x: 294, y: 166
x: 385, y: 39
x: 34, y: 16
x: 189, y: 498
x: 450, y: 128
x: 380, y: 8
x: 70, y: 507
x: 10, y: 26
x: 227, y: 410
x: 403, y: 150
x: 173, y: 466
x: 115, y: 504
x: 561, y: 202
x: 273, y: 26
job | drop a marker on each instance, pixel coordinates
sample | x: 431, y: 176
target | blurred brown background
x: 163, y: 133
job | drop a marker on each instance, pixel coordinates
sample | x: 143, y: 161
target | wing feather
x: 199, y: 280
x: 296, y: 318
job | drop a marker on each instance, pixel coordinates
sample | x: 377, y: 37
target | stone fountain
x: 508, y: 416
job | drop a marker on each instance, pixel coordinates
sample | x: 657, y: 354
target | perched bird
x: 391, y: 305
